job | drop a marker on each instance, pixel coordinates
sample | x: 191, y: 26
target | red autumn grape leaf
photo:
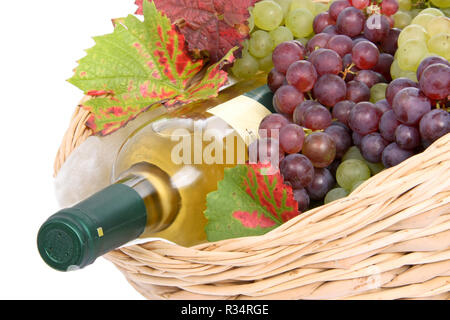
x: 214, y: 26
x: 251, y: 200
x: 139, y: 65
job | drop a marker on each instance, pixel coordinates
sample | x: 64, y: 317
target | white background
x: 40, y: 42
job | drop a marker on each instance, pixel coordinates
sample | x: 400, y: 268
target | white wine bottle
x: 161, y: 176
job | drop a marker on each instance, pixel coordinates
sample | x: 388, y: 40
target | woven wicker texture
x: 390, y: 239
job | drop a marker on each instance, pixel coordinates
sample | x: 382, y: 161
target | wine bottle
x: 161, y: 177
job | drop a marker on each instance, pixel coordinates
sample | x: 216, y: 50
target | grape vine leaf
x: 139, y: 65
x: 248, y: 202
x: 214, y: 26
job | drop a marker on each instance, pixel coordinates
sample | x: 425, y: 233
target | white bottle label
x: 243, y: 114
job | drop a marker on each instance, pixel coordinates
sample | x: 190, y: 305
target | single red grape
x: 331, y: 29
x: 397, y: 85
x: 316, y: 117
x: 275, y: 80
x: 376, y: 28
x: 320, y: 40
x: 272, y: 122
x: 297, y: 117
x: 320, y: 148
x: 321, y: 21
x: 341, y: 111
x: 350, y: 21
x: 322, y: 183
x: 341, y: 137
x: 365, y: 55
x: 341, y: 44
x: 302, y: 198
x: 364, y: 118
x: 291, y: 138
x: 369, y: 77
x: 407, y: 137
x: 389, y: 43
x: 287, y: 98
x: 384, y: 65
x: 330, y: 89
x: 428, y: 61
x: 383, y: 106
x: 394, y: 155
x: 302, y: 75
x: 298, y: 170
x: 372, y: 146
x: 336, y: 7
x: 433, y: 125
x: 388, y: 124
x: 285, y: 54
x: 389, y: 7
x: 360, y: 4
x: 435, y: 81
x: 357, y: 91
x: 327, y: 61
x: 410, y: 105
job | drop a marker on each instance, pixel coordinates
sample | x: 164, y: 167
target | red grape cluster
x: 322, y: 93
x: 410, y: 121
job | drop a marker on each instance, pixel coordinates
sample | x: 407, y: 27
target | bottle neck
x: 141, y: 200
x: 263, y: 95
x: 161, y: 199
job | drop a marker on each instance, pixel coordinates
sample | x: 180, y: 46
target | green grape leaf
x: 139, y: 65
x: 251, y: 200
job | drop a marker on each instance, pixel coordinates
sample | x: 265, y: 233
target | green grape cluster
x: 424, y: 33
x: 353, y: 171
x: 272, y: 22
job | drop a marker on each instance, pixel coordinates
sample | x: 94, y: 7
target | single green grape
x: 285, y: 5
x: 251, y: 22
x: 335, y: 194
x: 356, y: 185
x: 443, y: 4
x: 405, y: 5
x: 351, y: 171
x: 433, y: 11
x: 440, y: 44
x: 411, y: 53
x: 280, y: 35
x: 300, y: 22
x: 423, y: 19
x: 375, y: 168
x: 411, y: 75
x: 266, y: 63
x: 378, y: 92
x: 267, y: 14
x: 353, y: 153
x: 245, y: 67
x: 302, y: 4
x: 401, y: 19
x: 397, y: 72
x: 413, y: 32
x: 395, y: 69
x: 414, y: 12
x: 319, y: 7
x: 260, y: 44
x: 438, y: 25
x: 245, y: 45
x: 303, y: 41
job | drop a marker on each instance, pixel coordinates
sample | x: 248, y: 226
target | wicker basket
x: 390, y: 239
